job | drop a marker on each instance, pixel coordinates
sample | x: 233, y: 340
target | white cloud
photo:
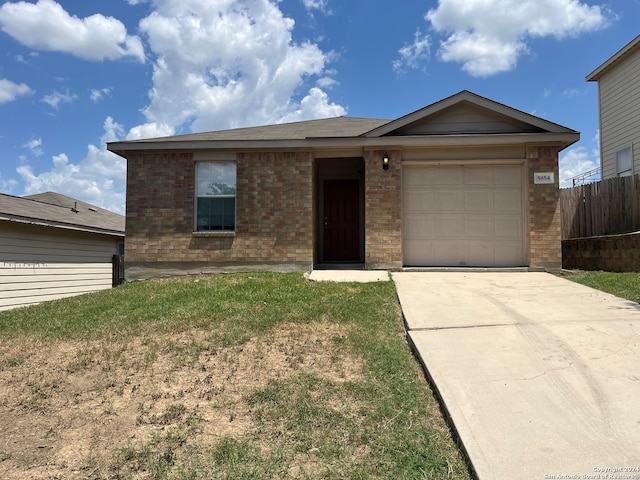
x: 571, y: 92
x: 326, y: 82
x: 98, y: 179
x: 150, y: 130
x: 413, y: 55
x: 217, y: 65
x: 45, y: 25
x: 577, y: 161
x: 35, y: 146
x: 320, y: 5
x: 480, y: 54
x: 97, y: 94
x: 314, y: 105
x: 9, y: 90
x: 113, y: 131
x: 488, y: 36
x: 56, y: 98
x: 26, y: 61
x: 230, y: 64
x: 7, y: 185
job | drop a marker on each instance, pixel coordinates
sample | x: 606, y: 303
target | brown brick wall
x: 275, y: 208
x: 544, y: 209
x: 383, y: 223
x: 613, y: 253
x: 274, y: 212
x: 160, y: 190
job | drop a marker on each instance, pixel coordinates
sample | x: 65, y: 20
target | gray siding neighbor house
x: 619, y: 110
x: 53, y: 246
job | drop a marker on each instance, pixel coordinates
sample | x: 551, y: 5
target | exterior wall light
x: 385, y: 161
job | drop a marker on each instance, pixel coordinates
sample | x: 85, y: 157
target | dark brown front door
x: 341, y: 212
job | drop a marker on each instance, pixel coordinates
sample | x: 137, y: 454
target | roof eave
x: 564, y: 138
x: 628, y: 48
x: 64, y: 226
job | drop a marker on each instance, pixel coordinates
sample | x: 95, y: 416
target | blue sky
x: 77, y: 74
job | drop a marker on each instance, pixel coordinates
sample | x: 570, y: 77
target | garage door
x: 463, y: 215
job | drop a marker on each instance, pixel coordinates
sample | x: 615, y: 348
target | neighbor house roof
x: 57, y: 210
x: 348, y: 132
x: 625, y: 51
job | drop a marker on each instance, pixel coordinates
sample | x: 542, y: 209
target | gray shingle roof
x: 57, y: 210
x: 324, y: 128
x: 354, y: 132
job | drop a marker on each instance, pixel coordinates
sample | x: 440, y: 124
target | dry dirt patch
x: 69, y: 409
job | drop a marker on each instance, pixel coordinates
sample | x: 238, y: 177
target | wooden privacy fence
x: 603, y: 208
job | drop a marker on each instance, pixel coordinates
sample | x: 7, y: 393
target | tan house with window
x: 54, y: 246
x: 619, y: 106
x: 464, y: 182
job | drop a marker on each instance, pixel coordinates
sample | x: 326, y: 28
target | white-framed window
x: 624, y: 163
x: 215, y: 197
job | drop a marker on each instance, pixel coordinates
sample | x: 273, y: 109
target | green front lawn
x: 624, y: 285
x: 228, y: 376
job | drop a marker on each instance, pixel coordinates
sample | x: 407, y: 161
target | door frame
x: 339, y: 174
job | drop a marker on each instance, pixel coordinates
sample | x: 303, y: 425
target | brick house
x: 464, y: 182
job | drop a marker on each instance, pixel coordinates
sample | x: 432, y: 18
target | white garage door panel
x: 446, y: 250
x: 449, y: 201
x: 477, y: 176
x: 463, y: 215
x: 508, y: 228
x: 478, y: 201
x: 508, y: 201
x: 445, y: 177
x: 449, y: 227
x: 419, y: 198
x: 480, y: 226
x: 417, y: 226
x: 507, y: 175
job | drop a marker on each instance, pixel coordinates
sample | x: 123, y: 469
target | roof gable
x: 466, y: 113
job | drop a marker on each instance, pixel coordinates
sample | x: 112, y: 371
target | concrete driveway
x: 539, y: 375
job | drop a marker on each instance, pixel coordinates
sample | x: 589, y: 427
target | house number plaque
x: 543, y: 178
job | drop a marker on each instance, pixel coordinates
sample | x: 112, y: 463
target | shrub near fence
x: 603, y: 208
